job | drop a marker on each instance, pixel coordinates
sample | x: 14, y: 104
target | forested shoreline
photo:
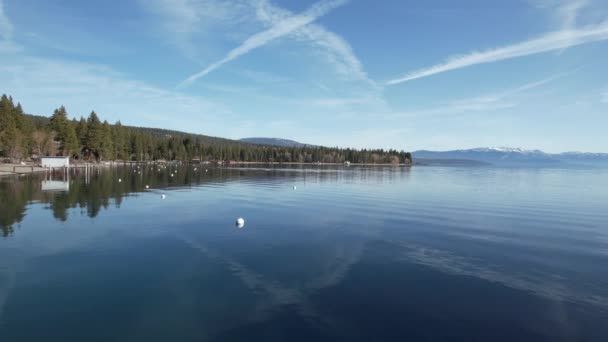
x: 23, y: 137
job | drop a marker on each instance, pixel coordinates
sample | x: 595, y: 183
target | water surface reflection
x: 350, y: 254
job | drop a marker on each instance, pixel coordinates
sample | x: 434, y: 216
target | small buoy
x: 294, y: 187
x: 158, y: 170
x: 147, y: 186
x: 194, y: 169
x: 240, y: 222
x: 171, y: 175
x: 163, y: 196
x: 206, y: 170
x: 119, y: 180
x: 175, y: 171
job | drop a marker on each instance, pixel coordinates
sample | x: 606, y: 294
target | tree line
x: 23, y: 136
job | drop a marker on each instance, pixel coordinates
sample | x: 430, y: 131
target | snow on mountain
x: 515, y: 156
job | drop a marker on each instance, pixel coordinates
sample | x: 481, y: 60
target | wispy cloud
x: 6, y: 32
x: 521, y: 89
x: 337, y: 102
x: 484, y: 103
x: 180, y: 16
x: 569, y: 11
x: 279, y: 30
x: 262, y: 76
x: 333, y: 48
x: 605, y: 96
x: 548, y: 42
x: 44, y: 84
x: 185, y: 21
x: 6, y: 28
x: 188, y: 20
x: 565, y: 13
x: 190, y: 16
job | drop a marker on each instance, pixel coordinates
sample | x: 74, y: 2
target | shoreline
x: 7, y: 169
x: 18, y: 169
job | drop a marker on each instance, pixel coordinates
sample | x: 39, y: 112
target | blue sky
x: 362, y: 73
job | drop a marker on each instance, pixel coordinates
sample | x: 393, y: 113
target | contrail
x: 552, y: 41
x: 281, y: 29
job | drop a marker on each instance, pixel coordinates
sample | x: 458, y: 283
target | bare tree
x: 44, y: 143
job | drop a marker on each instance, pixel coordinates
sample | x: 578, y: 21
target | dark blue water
x: 351, y: 254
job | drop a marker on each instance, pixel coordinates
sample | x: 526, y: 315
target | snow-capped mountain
x: 515, y: 156
x: 504, y: 149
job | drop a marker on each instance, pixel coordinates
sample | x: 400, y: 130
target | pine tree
x: 107, y: 146
x: 9, y: 137
x: 81, y: 131
x: 5, y: 123
x: 64, y: 132
x: 94, y: 134
x: 26, y: 128
x: 70, y: 143
x: 118, y: 138
x: 7, y: 126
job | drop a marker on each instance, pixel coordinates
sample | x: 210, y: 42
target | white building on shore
x: 55, y: 162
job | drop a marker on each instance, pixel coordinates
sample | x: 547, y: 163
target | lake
x: 426, y: 253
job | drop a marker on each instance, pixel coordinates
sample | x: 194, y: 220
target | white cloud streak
x: 490, y: 102
x: 279, y: 30
x: 549, y: 42
x: 6, y: 28
x: 184, y: 21
x: 6, y: 33
x: 190, y: 16
x: 44, y: 84
x: 564, y: 12
x: 605, y: 97
x: 331, y: 46
x: 568, y: 12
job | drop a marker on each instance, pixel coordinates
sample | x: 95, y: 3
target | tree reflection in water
x: 100, y: 187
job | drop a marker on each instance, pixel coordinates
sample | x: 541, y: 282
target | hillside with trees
x: 24, y: 136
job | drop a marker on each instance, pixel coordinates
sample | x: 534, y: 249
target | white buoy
x: 175, y: 171
x: 206, y: 170
x: 147, y: 186
x: 294, y: 187
x: 240, y: 222
x: 194, y: 169
x: 158, y: 170
x: 163, y: 196
x: 119, y: 180
x: 171, y: 175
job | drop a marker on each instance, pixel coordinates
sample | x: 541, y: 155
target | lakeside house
x: 53, y: 162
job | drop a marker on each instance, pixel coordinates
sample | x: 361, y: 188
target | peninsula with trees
x: 27, y: 137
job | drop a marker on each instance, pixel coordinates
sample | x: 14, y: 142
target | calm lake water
x: 352, y: 254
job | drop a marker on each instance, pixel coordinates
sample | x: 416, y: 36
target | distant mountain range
x: 506, y: 156
x: 275, y: 142
x: 500, y: 156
